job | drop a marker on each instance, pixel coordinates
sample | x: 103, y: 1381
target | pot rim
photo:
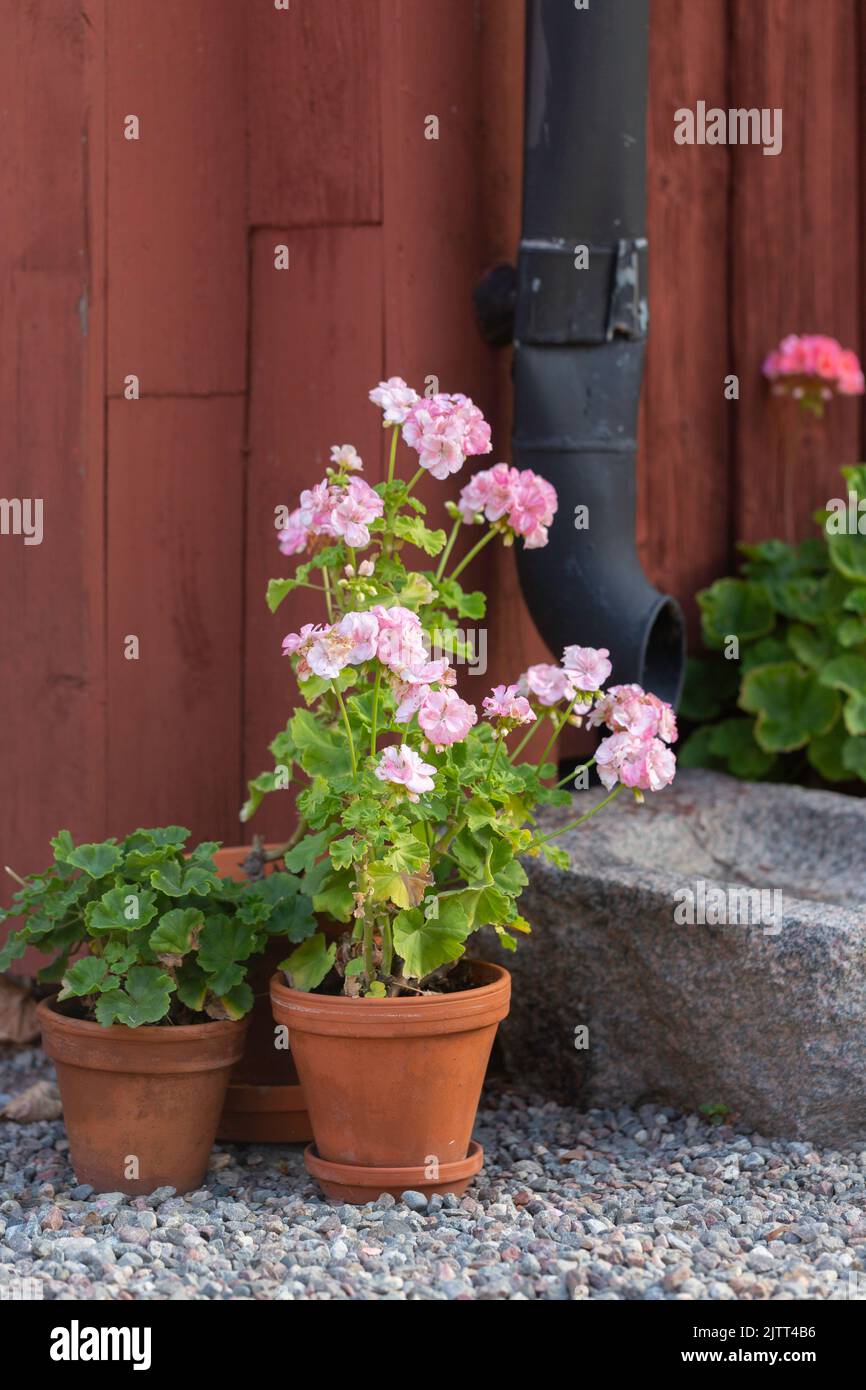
x: 415, y: 1001
x: 420, y: 1015
x: 153, y: 1032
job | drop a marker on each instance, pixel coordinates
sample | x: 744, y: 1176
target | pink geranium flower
x: 526, y: 501
x: 405, y: 767
x: 294, y: 536
x: 631, y: 709
x: 645, y: 764
x: 549, y: 685
x: 394, y: 398
x: 505, y: 702
x: 811, y: 367
x: 445, y: 718
x: 346, y: 456
x: 587, y: 667
x: 356, y: 507
x: 445, y: 430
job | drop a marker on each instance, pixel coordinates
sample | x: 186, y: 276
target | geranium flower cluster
x: 337, y: 510
x: 812, y: 364
x: 520, y: 499
x: 583, y: 669
x: 637, y: 753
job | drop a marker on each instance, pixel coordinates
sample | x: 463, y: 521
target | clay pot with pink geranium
x: 416, y: 808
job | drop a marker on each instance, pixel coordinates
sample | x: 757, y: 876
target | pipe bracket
x: 573, y: 292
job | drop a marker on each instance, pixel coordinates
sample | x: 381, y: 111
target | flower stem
x: 533, y: 729
x: 572, y: 825
x: 470, y: 556
x: 495, y: 756
x: 413, y: 480
x: 557, y: 730
x: 392, y: 460
x: 570, y: 776
x: 328, y: 603
x: 375, y: 715
x: 348, y: 727
x: 387, y: 946
x: 446, y: 553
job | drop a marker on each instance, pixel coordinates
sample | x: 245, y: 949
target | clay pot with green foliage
x: 392, y: 1085
x: 140, y: 1105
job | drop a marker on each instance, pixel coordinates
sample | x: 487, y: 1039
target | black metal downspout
x: 580, y: 335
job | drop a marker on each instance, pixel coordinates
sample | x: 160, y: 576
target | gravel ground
x: 641, y: 1204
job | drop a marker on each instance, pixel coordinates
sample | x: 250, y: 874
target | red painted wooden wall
x: 155, y: 257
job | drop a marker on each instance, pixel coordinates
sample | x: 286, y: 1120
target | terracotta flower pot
x: 141, y: 1105
x: 264, y: 1101
x: 392, y: 1085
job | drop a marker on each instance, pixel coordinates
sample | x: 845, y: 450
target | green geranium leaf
x: 321, y: 752
x: 412, y: 529
x: 846, y: 673
x: 145, y: 998
x: 735, y: 608
x: 825, y: 754
x: 310, y: 962
x: 335, y: 898
x: 177, y: 880
x: 856, y: 601
x: 854, y: 756
x: 62, y: 845
x: 192, y: 985
x: 177, y: 932
x: 850, y: 632
x: 125, y: 908
x: 696, y: 751
x: 95, y: 860
x: 848, y: 556
x: 809, y: 599
x: 234, y: 1003
x: 791, y: 705
x: 223, y: 943
x: 86, y: 976
x: 812, y: 648
x: 278, y: 589
x: 426, y: 943
x: 304, y: 855
x: 160, y: 837
x: 854, y: 715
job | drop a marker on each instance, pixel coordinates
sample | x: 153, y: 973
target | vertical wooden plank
x: 796, y: 249
x: 683, y: 452
x: 314, y: 113
x: 175, y: 584
x: 176, y: 211
x: 51, y: 692
x: 316, y: 352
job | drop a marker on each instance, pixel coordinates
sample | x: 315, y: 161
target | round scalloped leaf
x: 854, y: 756
x: 125, y: 908
x: 854, y: 715
x: 791, y: 705
x: 848, y: 556
x: 145, y: 998
x: 825, y: 754
x: 764, y: 652
x: 310, y: 962
x: 846, y: 673
x: 735, y: 607
x: 95, y: 860
x: 812, y: 648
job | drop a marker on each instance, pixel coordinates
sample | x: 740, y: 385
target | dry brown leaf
x: 41, y: 1101
x: 17, y: 1012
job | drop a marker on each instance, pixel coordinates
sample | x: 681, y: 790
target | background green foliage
x: 796, y: 698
